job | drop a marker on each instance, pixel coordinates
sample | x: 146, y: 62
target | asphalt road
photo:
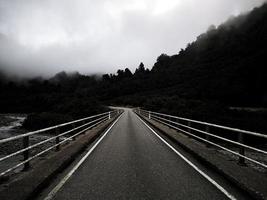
x: 133, y: 163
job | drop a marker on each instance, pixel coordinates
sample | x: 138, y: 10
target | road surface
x: 131, y: 162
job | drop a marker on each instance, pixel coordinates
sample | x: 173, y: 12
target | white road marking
x: 53, y: 192
x: 213, y: 182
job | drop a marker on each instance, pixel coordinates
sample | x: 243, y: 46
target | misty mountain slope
x: 224, y: 67
x: 227, y: 63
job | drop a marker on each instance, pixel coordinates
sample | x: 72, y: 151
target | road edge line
x: 54, y: 191
x: 213, y: 182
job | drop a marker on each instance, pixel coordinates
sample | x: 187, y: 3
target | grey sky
x: 42, y: 37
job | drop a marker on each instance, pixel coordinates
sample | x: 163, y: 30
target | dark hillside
x: 226, y: 64
x: 225, y: 67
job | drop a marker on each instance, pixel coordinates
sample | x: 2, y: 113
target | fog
x: 43, y: 37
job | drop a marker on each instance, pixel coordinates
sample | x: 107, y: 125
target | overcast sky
x: 42, y: 37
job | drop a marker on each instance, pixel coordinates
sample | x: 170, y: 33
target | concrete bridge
x: 136, y: 154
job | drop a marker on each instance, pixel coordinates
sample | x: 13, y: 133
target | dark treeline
x: 225, y: 67
x: 62, y: 98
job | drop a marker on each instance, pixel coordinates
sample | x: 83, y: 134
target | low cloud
x: 44, y: 37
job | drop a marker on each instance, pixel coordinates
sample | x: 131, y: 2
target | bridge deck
x: 132, y: 163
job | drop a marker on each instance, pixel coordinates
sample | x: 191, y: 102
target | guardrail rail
x: 62, y: 133
x: 191, y: 128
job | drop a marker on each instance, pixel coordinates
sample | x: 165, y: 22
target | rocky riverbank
x: 11, y: 125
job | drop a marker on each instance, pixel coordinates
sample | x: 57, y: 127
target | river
x: 10, y: 124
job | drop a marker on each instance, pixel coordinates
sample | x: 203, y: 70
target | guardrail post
x: 241, y: 160
x: 170, y: 120
x: 207, y: 136
x: 149, y: 115
x: 109, y: 116
x: 84, y: 124
x: 26, y: 154
x: 189, y: 125
x: 178, y: 122
x: 57, y: 139
x: 73, y: 126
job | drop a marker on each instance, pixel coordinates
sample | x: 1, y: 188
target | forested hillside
x: 225, y: 67
x: 227, y: 63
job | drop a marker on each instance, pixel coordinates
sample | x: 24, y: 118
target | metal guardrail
x: 185, y: 126
x: 71, y: 131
